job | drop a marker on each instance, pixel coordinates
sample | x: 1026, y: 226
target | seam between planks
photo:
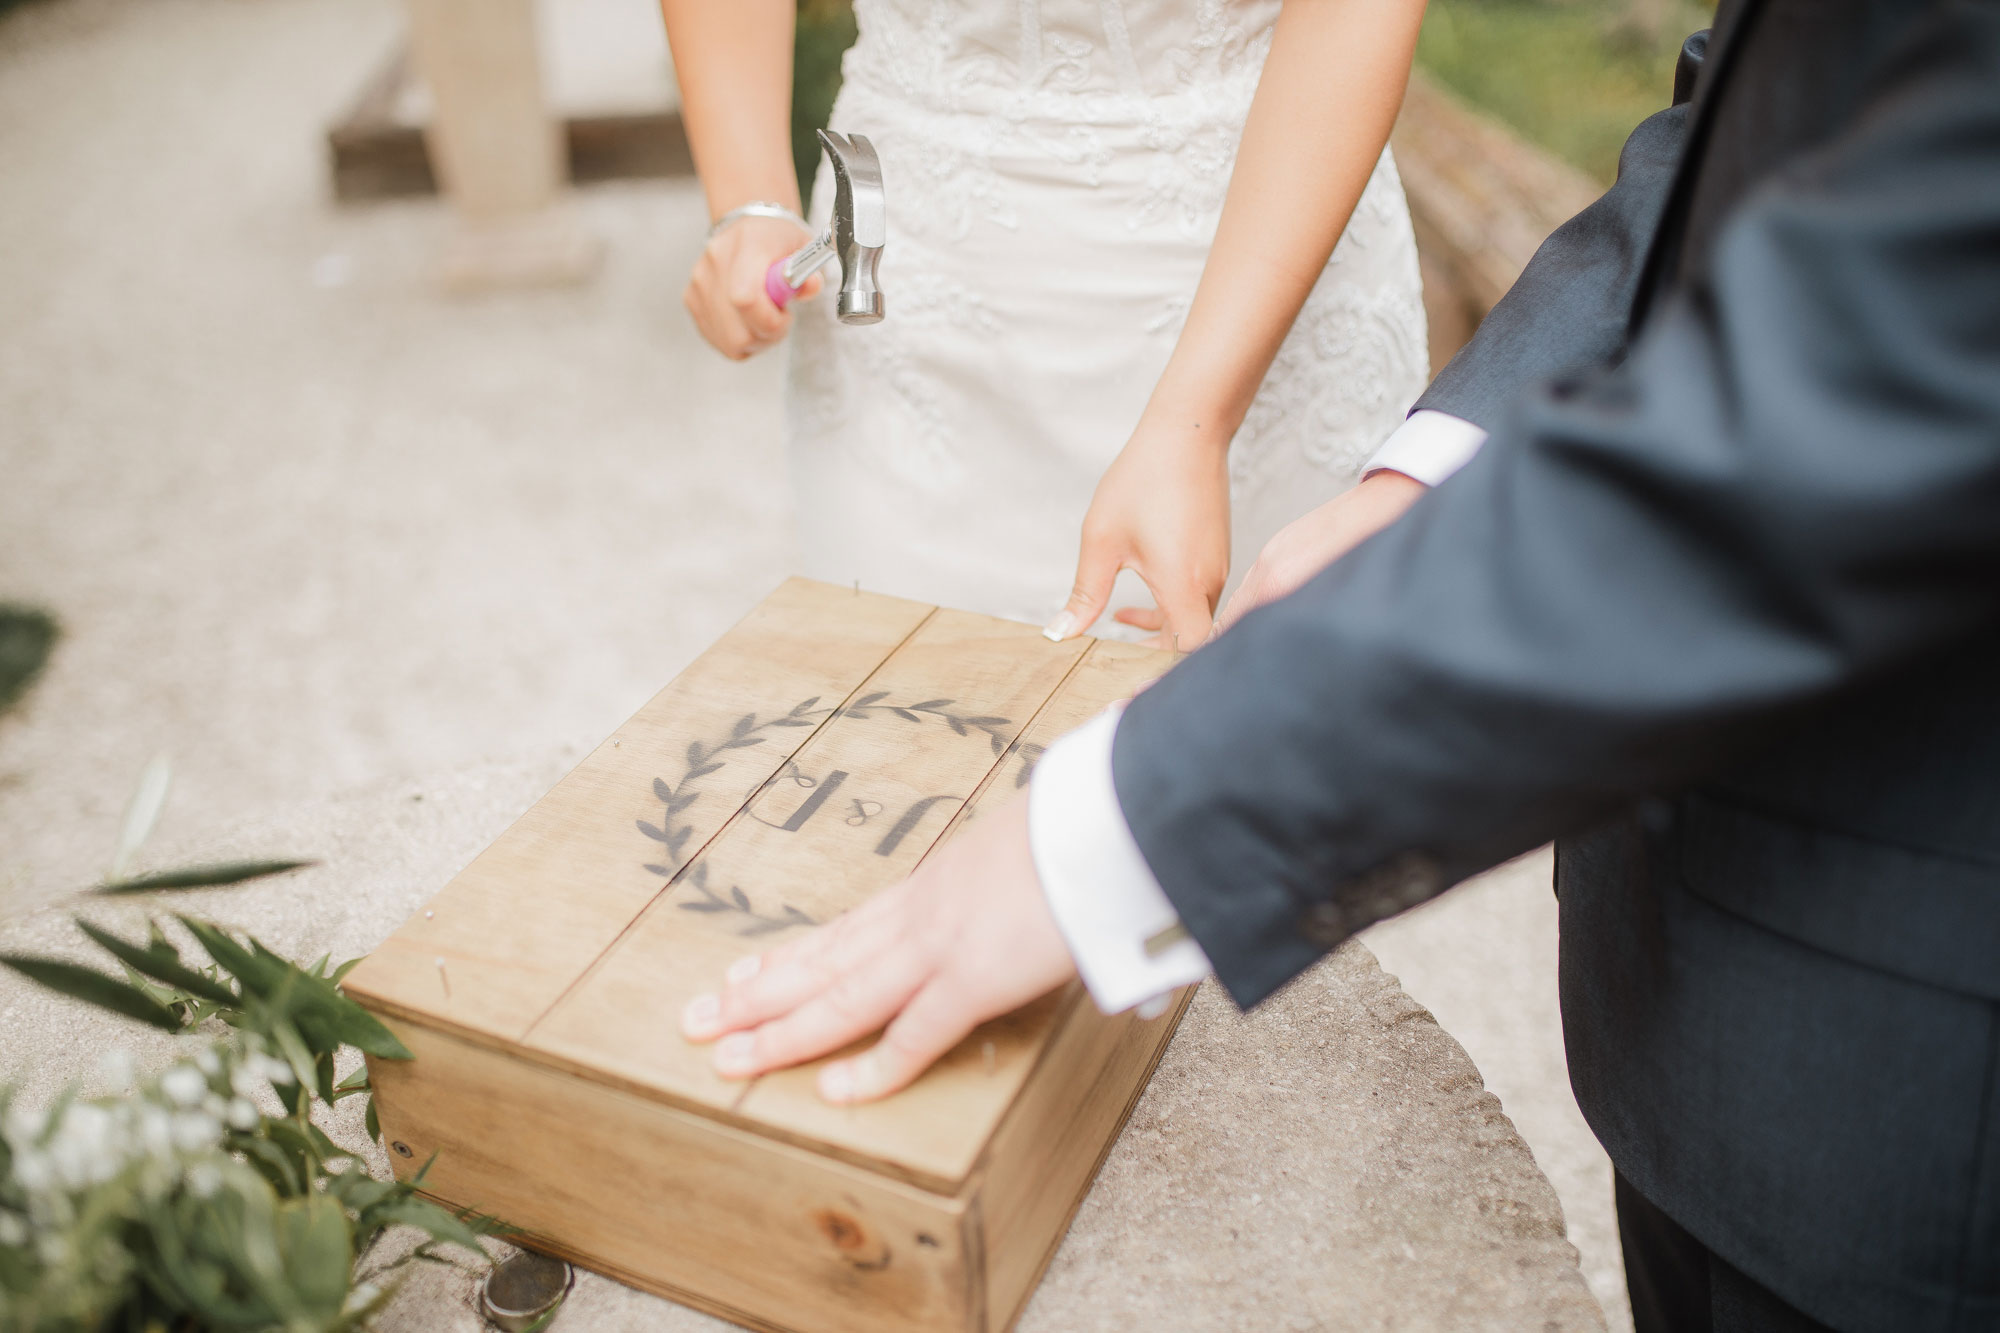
x: 674, y: 880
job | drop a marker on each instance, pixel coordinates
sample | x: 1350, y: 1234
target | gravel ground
x: 319, y: 534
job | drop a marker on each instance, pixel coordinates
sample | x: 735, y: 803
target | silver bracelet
x: 757, y: 208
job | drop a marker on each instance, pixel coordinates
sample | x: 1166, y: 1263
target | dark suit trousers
x: 1678, y: 1285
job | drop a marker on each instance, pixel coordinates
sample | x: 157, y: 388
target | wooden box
x: 812, y: 756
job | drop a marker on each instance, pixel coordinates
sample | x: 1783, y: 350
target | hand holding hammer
x: 738, y: 294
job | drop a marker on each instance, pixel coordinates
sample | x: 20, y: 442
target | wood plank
x: 938, y: 1128
x: 671, y: 1200
x: 852, y: 814
x: 519, y: 925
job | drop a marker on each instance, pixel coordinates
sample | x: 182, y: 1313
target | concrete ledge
x: 1331, y: 1160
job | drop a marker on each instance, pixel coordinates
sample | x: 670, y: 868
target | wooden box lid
x: 810, y: 758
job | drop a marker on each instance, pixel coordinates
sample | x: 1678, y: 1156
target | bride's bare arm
x: 734, y: 63
x: 1329, y: 93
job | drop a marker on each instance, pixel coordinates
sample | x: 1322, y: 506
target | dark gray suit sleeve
x: 1567, y: 312
x: 1791, y: 485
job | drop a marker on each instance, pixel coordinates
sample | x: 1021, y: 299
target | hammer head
x: 859, y: 223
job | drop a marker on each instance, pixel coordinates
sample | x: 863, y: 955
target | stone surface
x: 313, y: 531
x: 1331, y: 1161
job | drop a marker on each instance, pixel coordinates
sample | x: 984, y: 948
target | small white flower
x: 204, y: 1179
x: 117, y: 1070
x: 246, y: 1081
x: 82, y: 1152
x: 184, y: 1085
x: 276, y: 1070
x: 155, y: 1131
x: 52, y: 1248
x: 24, y: 1124
x: 194, y: 1131
x: 241, y: 1113
x: 205, y: 1061
x: 13, y: 1231
x: 33, y: 1172
x: 359, y: 1297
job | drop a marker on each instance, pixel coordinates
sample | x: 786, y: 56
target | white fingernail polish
x: 700, y: 1016
x: 1061, y: 627
x: 836, y: 1082
x: 743, y: 969
x: 733, y: 1053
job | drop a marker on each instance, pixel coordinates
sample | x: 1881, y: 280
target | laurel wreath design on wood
x: 996, y: 728
x: 738, y: 902
x: 674, y: 829
x: 702, y: 760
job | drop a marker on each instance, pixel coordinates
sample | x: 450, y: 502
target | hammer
x: 854, y: 233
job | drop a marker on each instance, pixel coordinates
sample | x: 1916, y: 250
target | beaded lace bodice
x: 1054, y: 172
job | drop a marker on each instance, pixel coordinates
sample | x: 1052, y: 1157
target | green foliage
x: 1572, y: 75
x: 207, y: 1197
x: 26, y: 638
x: 825, y: 30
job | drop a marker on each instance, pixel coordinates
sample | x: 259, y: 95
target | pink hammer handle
x: 775, y: 286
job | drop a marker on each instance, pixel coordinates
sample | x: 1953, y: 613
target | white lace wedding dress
x: 1054, y: 172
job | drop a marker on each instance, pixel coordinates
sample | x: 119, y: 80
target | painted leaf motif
x: 679, y: 837
x: 703, y: 771
x: 705, y: 905
x: 803, y: 705
x: 954, y: 723
x: 653, y: 831
x: 906, y: 714
x: 663, y: 791
x: 867, y: 699
x: 682, y: 802
x: 931, y: 705
x: 740, y: 898
x: 743, y: 724
x: 657, y: 870
x: 695, y: 754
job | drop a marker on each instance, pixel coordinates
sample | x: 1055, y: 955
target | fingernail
x: 743, y: 969
x: 733, y: 1053
x: 836, y: 1082
x: 699, y: 1018
x: 1061, y: 627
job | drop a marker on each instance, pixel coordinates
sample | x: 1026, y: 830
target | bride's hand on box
x: 1161, y: 510
x: 725, y: 293
x: 1305, y: 546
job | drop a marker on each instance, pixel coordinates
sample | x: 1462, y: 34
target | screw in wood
x: 428, y: 914
x: 402, y: 1149
x: 443, y: 980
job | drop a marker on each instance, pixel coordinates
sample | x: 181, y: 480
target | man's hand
x: 967, y: 938
x: 1305, y: 546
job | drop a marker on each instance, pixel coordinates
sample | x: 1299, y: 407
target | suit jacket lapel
x: 1732, y: 20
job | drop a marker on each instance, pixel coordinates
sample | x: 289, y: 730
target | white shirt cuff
x: 1099, y: 889
x: 1429, y: 446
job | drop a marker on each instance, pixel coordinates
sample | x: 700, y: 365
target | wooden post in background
x: 496, y: 148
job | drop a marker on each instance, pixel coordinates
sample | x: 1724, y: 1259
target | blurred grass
x: 825, y: 31
x: 1571, y: 75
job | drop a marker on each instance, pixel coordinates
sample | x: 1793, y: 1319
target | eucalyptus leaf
x: 162, y: 963
x: 439, y: 1223
x: 81, y: 983
x: 317, y: 1252
x: 142, y: 812
x: 199, y: 877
